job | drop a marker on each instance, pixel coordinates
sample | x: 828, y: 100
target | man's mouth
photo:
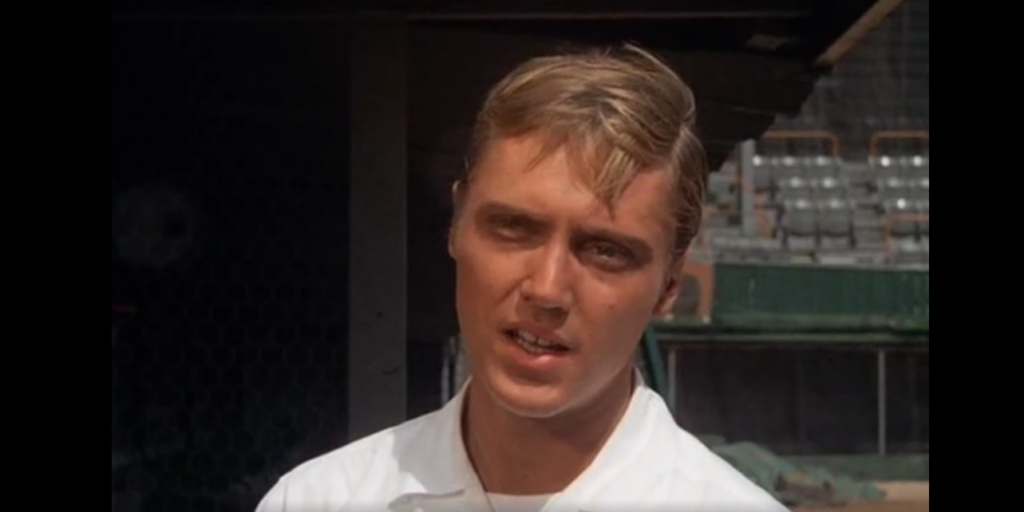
x: 535, y: 344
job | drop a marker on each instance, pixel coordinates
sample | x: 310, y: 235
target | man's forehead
x: 516, y: 175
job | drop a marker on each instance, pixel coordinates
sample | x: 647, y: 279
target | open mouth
x: 534, y: 344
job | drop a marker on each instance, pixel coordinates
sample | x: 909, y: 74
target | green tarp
x: 791, y: 483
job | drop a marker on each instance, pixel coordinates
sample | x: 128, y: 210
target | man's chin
x: 528, y: 400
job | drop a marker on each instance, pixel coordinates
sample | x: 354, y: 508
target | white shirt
x: 648, y: 463
x: 514, y: 503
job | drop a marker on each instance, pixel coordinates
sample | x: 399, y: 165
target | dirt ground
x: 900, y: 497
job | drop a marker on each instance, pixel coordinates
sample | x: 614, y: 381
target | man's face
x: 540, y: 257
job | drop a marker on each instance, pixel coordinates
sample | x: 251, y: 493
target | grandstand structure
x: 812, y: 205
x: 806, y: 308
x: 804, y: 324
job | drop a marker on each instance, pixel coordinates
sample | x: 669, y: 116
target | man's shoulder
x: 674, y: 466
x: 697, y: 468
x: 383, y: 442
x: 330, y: 478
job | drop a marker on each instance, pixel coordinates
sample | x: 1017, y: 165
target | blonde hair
x: 617, y: 111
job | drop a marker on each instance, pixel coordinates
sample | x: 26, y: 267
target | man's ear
x: 672, y: 287
x: 458, y: 191
x: 451, y: 240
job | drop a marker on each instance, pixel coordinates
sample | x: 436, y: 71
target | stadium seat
x: 770, y: 250
x: 869, y: 238
x: 829, y: 211
x: 788, y: 173
x: 859, y: 181
x: 921, y: 205
x: 910, y: 252
x: 721, y: 190
x: 917, y: 175
x: 862, y: 199
x: 892, y: 184
x: 901, y: 227
x: 729, y: 245
x: 835, y: 220
x: 764, y: 168
x: 857, y: 173
x: 793, y: 183
x: 800, y: 224
x: 831, y: 186
x: 819, y: 167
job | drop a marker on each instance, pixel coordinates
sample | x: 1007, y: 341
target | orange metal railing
x: 891, y: 219
x: 878, y: 137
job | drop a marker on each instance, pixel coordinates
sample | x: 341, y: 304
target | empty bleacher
x: 819, y: 208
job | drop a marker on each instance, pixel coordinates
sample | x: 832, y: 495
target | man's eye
x: 606, y: 251
x: 509, y: 225
x: 507, y: 222
x: 610, y: 253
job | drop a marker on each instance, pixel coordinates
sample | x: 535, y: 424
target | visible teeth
x: 530, y: 339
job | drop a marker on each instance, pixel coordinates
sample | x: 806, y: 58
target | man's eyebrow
x: 499, y: 208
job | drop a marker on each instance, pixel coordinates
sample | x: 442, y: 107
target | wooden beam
x: 857, y: 32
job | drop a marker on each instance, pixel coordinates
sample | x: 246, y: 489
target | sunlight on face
x: 536, y: 251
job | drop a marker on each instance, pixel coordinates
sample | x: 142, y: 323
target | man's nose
x: 550, y: 282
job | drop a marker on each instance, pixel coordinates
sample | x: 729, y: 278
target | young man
x: 583, y: 190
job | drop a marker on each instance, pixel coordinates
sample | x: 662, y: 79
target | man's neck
x: 516, y: 455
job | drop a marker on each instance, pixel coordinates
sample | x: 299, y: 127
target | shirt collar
x: 629, y: 439
x: 441, y: 467
x: 436, y: 463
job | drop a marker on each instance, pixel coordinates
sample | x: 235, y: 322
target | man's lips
x: 540, y: 336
